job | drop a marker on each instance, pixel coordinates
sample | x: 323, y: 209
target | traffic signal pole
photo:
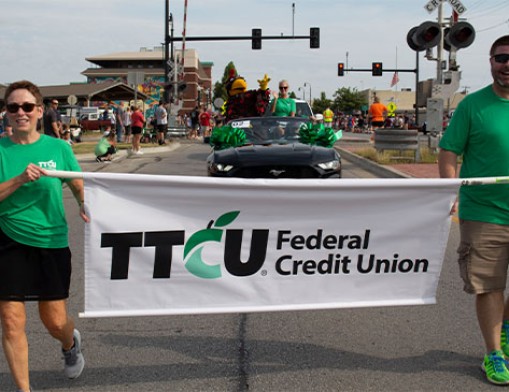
x: 238, y: 38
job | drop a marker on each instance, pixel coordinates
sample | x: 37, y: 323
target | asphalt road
x: 421, y: 348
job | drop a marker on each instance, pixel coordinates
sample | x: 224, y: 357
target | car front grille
x: 277, y: 172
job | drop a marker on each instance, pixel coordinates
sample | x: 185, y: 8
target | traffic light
x: 341, y: 69
x: 460, y: 35
x: 256, y: 39
x: 424, y: 36
x: 314, y: 37
x: 376, y: 69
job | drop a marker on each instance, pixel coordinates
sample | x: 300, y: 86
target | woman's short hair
x: 25, y: 85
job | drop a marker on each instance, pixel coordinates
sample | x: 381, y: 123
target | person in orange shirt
x: 377, y: 113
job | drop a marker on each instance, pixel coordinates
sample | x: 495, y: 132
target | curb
x: 124, y: 154
x: 373, y: 167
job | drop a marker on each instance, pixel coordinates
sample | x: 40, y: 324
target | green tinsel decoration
x: 226, y: 137
x: 317, y: 134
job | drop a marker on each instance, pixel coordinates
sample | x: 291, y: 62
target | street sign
x: 432, y: 5
x: 391, y: 108
x: 72, y: 99
x: 135, y: 78
x: 456, y: 5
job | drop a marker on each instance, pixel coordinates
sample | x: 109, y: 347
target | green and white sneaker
x: 495, y: 367
x: 504, y: 338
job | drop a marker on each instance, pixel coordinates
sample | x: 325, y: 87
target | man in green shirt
x: 479, y: 131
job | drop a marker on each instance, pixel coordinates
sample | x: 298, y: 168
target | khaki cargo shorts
x: 483, y: 256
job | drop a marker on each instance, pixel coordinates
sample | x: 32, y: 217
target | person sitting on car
x: 282, y: 104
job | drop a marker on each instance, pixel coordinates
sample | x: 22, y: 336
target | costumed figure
x: 246, y: 103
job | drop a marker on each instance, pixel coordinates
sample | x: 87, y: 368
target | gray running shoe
x: 74, y: 361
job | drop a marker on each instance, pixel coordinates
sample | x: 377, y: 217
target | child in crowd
x: 66, y: 134
x: 106, y: 146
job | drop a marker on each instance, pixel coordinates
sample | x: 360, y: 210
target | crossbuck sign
x: 455, y: 4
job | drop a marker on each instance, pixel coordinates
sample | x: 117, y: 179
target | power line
x: 494, y: 26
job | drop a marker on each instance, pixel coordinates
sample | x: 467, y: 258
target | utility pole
x: 293, y: 19
x: 440, y: 47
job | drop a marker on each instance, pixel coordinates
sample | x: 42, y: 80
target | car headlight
x: 331, y: 165
x: 221, y: 167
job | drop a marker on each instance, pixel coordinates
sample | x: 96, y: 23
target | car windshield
x: 270, y: 130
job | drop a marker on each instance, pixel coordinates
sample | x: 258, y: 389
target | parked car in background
x: 92, y: 122
x: 272, y: 149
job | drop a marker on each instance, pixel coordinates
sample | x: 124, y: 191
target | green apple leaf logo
x: 195, y: 244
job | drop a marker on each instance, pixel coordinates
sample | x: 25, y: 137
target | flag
x: 395, y: 79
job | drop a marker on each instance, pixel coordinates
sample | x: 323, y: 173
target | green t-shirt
x: 284, y: 107
x: 34, y: 214
x: 102, y: 147
x: 479, y: 129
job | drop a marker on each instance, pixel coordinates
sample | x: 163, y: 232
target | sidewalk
x: 350, y: 142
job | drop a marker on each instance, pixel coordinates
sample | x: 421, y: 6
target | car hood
x: 276, y: 154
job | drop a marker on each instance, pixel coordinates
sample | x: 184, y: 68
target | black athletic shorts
x: 136, y: 130
x: 29, y: 273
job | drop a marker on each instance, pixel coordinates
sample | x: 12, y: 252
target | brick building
x: 149, y: 63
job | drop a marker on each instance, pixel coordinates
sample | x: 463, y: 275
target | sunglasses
x: 27, y: 107
x: 501, y: 58
x: 283, y: 87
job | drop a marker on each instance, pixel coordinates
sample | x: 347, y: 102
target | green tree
x: 322, y: 103
x: 347, y: 100
x: 219, y: 90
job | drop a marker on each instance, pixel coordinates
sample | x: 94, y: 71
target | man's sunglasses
x: 27, y: 107
x: 283, y: 87
x: 501, y: 58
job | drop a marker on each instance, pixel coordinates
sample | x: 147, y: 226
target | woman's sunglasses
x: 501, y: 58
x: 27, y: 107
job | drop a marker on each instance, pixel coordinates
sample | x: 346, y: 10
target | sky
x: 47, y: 41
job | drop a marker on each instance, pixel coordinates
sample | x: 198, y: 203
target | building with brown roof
x: 147, y: 67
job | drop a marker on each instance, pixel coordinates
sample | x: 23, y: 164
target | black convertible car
x: 272, y: 149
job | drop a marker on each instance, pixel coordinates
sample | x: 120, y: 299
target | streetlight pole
x: 293, y: 19
x: 166, y: 52
x: 310, y: 96
x: 303, y: 89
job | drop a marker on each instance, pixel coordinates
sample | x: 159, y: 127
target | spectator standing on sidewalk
x: 50, y: 120
x: 127, y: 124
x: 328, y: 117
x: 377, y: 114
x: 162, y: 122
x: 479, y: 132
x: 194, y: 117
x: 119, y: 122
x: 137, y: 124
x: 35, y: 260
x: 205, y: 124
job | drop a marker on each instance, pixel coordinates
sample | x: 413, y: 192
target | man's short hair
x: 502, y: 41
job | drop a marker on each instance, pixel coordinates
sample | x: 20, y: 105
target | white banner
x: 160, y: 245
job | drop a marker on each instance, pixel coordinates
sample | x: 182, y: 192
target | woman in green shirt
x: 35, y: 260
x: 282, y: 105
